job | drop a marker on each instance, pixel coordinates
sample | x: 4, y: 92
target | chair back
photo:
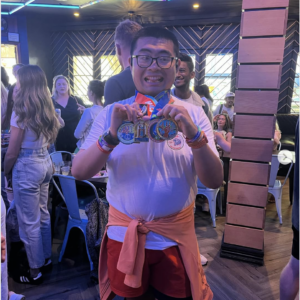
x: 68, y: 186
x: 274, y: 170
x: 57, y: 157
x: 69, y: 191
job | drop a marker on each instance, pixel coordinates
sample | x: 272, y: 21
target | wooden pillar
x: 260, y: 55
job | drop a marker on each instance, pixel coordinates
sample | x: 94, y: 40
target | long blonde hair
x: 33, y: 105
x: 4, y: 95
x: 54, y: 91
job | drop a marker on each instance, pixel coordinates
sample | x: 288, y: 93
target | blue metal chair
x: 75, y: 206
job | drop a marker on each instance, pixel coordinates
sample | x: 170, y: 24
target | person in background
x: 228, y: 107
x: 95, y: 94
x: 277, y: 136
x: 27, y: 163
x: 121, y: 86
x: 203, y: 91
x: 12, y: 225
x: 289, y: 279
x: 16, y: 68
x: 223, y: 131
x: 184, y: 75
x: 71, y: 108
x: 5, y: 78
x: 4, y: 95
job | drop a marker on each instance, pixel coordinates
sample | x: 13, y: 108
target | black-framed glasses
x: 145, y: 61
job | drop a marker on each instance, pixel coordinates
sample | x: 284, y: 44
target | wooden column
x: 260, y: 55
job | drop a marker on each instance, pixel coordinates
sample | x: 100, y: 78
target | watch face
x: 3, y: 24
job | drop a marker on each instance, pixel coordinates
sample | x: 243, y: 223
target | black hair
x: 158, y: 33
x: 4, y: 77
x: 9, y: 109
x: 186, y: 58
x: 203, y: 90
x: 97, y: 87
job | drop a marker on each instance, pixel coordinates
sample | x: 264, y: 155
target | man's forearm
x: 208, y: 167
x: 88, y: 162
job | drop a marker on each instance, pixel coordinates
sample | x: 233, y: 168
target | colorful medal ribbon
x: 153, y: 104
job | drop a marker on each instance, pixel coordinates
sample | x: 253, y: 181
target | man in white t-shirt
x: 185, y: 73
x: 148, y: 180
x: 227, y: 107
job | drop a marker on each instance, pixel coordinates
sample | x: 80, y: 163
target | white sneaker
x: 204, y: 261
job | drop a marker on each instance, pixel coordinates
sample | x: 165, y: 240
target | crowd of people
x: 36, y: 122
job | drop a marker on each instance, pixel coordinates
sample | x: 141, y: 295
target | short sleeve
x: 205, y: 125
x: 96, y: 130
x: 13, y: 121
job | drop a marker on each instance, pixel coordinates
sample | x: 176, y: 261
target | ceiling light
x: 90, y: 3
x: 76, y: 14
x: 53, y: 5
x: 196, y: 5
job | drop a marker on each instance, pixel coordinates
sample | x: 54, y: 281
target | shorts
x: 163, y: 271
x: 295, y: 247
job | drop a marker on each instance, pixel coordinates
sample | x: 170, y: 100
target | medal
x: 152, y: 134
x: 140, y: 132
x: 167, y: 129
x: 126, y: 133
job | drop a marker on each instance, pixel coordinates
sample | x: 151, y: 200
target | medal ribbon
x: 154, y: 104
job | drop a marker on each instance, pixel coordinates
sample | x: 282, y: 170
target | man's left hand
x: 3, y: 248
x: 182, y: 117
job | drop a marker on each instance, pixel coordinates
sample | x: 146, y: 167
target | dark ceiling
x: 112, y: 11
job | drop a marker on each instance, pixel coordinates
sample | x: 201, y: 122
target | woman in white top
x: 95, y: 94
x: 27, y: 162
x: 222, y: 131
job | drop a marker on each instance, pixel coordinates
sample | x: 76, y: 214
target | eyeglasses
x: 145, y: 61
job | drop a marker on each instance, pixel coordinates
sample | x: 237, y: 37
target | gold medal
x: 140, y: 132
x: 167, y: 129
x: 152, y: 134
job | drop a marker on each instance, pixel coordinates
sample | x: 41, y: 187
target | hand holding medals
x: 181, y: 116
x: 141, y: 130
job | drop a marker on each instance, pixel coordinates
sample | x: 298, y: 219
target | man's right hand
x: 121, y: 113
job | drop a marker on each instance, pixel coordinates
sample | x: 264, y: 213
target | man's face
x: 229, y: 101
x: 183, y: 75
x: 153, y: 80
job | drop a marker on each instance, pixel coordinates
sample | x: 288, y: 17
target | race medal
x: 126, y: 133
x: 167, y: 129
x: 140, y: 132
x: 152, y: 134
x: 177, y: 143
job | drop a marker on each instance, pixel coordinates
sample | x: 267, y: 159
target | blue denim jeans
x: 32, y: 173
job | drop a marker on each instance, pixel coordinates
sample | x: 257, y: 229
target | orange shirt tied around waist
x: 178, y: 227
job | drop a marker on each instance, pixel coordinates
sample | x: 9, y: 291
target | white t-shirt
x: 230, y: 111
x: 29, y: 140
x: 150, y: 180
x: 84, y: 126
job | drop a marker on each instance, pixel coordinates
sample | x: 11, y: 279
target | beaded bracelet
x: 104, y: 146
x: 196, y: 137
x: 200, y: 142
x: 101, y: 149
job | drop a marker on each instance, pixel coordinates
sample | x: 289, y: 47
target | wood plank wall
x: 260, y: 55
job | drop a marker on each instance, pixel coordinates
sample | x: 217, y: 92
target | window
x: 296, y: 90
x: 83, y: 74
x: 218, y: 76
x: 109, y: 66
x: 8, y: 60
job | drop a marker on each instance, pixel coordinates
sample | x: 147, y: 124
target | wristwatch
x: 109, y: 139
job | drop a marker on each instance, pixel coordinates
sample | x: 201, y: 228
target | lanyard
x: 153, y: 104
